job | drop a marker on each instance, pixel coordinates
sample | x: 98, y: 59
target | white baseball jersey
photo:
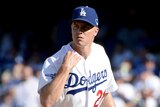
x: 88, y: 81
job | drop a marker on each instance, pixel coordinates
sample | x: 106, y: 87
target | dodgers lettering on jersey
x: 94, y: 80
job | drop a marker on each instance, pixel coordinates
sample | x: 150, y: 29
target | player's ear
x: 96, y: 31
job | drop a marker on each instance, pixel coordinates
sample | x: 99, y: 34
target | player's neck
x: 83, y: 51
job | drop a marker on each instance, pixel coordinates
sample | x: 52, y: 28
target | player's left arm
x: 108, y: 101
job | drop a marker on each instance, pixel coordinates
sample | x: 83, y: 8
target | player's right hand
x: 71, y: 59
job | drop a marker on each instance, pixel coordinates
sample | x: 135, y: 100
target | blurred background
x: 32, y: 31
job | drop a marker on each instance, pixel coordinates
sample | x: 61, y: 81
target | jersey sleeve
x: 48, y: 72
x: 112, y: 85
x: 105, y: 62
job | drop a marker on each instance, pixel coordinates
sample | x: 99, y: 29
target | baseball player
x: 79, y: 74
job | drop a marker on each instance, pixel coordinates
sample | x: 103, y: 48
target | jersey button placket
x: 87, y: 83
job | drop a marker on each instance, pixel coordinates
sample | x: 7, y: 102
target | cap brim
x: 82, y: 20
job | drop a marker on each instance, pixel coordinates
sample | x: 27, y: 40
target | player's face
x: 83, y: 33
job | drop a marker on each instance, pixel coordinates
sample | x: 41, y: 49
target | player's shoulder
x: 97, y: 47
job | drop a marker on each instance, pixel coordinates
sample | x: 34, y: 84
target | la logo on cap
x: 82, y: 12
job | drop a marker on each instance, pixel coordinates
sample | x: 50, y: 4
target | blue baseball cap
x: 86, y: 14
